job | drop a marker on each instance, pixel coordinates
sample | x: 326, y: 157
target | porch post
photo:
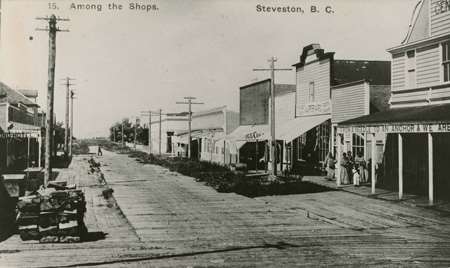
x: 430, y: 169
x: 39, y: 150
x: 28, y: 150
x: 256, y: 157
x: 373, y: 181
x: 339, y: 156
x: 400, y: 166
x: 332, y: 140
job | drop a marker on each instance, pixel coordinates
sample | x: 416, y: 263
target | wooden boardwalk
x: 169, y: 220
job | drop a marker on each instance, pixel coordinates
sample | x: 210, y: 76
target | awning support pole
x: 400, y: 166
x: 256, y: 156
x: 373, y: 180
x: 339, y: 156
x: 430, y: 169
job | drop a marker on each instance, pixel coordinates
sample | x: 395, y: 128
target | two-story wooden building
x: 20, y: 131
x: 417, y: 126
x: 250, y: 138
x: 318, y: 74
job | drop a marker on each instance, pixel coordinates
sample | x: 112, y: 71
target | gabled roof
x: 14, y: 97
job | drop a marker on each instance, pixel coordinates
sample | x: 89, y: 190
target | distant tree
x: 128, y: 132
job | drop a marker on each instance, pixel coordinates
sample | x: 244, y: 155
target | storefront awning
x: 286, y: 131
x: 296, y: 127
x: 249, y: 133
x: 429, y: 118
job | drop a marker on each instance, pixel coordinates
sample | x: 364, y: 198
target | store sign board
x: 315, y: 108
x: 441, y: 127
x: 441, y: 6
x: 18, y: 135
x: 253, y: 136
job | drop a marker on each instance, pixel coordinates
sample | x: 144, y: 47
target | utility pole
x: 150, y: 114
x: 66, y: 132
x: 189, y: 103
x: 72, y: 96
x: 123, y: 141
x: 52, y: 29
x: 273, y: 141
x: 135, y: 132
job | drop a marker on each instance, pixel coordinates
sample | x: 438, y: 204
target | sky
x: 127, y: 61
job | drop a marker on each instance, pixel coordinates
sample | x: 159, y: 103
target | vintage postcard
x: 224, y: 133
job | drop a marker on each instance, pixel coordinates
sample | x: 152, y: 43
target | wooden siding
x: 284, y: 107
x: 398, y: 71
x: 317, y: 72
x: 349, y: 102
x: 440, y: 23
x: 407, y: 98
x: 428, y: 66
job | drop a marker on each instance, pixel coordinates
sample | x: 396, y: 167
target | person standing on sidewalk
x: 360, y: 165
x: 344, y: 172
x: 330, y: 163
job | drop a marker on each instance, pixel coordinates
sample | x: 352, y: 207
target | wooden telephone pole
x: 52, y: 29
x: 273, y: 141
x: 150, y: 113
x: 66, y: 132
x: 189, y: 103
x: 72, y: 96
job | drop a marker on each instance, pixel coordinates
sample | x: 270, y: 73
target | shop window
x: 357, y: 144
x: 411, y: 68
x: 312, y: 92
x: 301, y: 142
x: 446, y: 61
x: 323, y: 140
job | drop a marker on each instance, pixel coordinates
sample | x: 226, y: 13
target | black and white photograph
x: 224, y: 133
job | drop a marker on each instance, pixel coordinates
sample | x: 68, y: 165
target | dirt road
x: 170, y: 220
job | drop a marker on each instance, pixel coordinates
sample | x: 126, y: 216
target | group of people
x: 353, y: 170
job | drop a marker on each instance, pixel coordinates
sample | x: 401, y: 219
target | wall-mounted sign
x: 253, y: 136
x: 10, y: 135
x: 397, y: 128
x: 441, y: 6
x: 315, y: 108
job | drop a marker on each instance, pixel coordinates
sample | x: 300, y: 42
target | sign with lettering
x: 18, y: 135
x: 252, y: 136
x: 441, y: 6
x: 397, y: 128
x: 315, y: 108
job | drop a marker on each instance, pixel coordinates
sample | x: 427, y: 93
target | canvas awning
x: 296, y: 127
x: 249, y: 133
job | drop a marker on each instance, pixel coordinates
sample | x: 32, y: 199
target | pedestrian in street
x: 330, y: 167
x: 356, y: 177
x: 99, y: 152
x: 344, y: 172
x: 360, y: 165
